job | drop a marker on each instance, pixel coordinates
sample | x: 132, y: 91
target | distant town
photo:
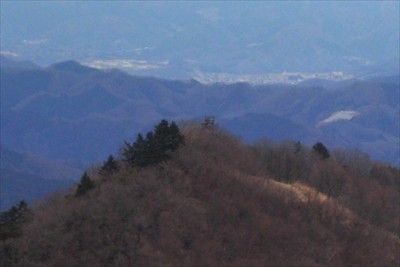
x: 271, y: 78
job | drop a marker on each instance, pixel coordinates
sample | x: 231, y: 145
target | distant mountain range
x: 27, y: 177
x: 211, y: 39
x: 78, y: 115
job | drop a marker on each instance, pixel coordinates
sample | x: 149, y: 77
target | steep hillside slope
x: 215, y: 202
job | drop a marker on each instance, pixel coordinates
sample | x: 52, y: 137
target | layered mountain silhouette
x: 27, y: 177
x: 64, y: 111
x: 78, y: 115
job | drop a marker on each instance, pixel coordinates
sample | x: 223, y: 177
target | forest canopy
x: 213, y: 200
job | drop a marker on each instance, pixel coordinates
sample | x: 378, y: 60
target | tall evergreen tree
x: 321, y: 150
x: 162, y: 134
x: 152, y: 153
x: 140, y: 148
x: 11, y: 221
x: 128, y: 153
x: 133, y: 153
x: 85, y: 185
x: 154, y: 148
x: 109, y: 166
x: 176, y: 138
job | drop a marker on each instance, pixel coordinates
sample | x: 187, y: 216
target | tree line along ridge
x: 201, y: 197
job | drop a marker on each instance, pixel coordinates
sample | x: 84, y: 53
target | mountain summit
x: 72, y: 66
x: 215, y: 201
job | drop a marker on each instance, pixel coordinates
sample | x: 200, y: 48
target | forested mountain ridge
x: 71, y: 116
x: 199, y: 133
x: 42, y: 108
x: 214, y: 200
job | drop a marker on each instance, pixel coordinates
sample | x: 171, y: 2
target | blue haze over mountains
x: 59, y: 116
x: 180, y: 39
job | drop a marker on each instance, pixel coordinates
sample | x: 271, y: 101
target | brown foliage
x: 369, y: 189
x: 217, y: 202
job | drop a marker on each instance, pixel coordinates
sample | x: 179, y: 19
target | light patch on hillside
x: 338, y: 116
x: 297, y: 191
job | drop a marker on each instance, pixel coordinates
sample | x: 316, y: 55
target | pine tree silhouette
x: 321, y: 150
x: 155, y: 147
x: 11, y: 220
x: 109, y: 166
x: 85, y: 185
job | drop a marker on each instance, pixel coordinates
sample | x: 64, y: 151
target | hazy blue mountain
x: 27, y: 177
x: 254, y: 126
x: 180, y: 39
x: 308, y: 71
x: 73, y: 113
x: 16, y: 65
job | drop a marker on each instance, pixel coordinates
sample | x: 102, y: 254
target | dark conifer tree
x: 109, y: 166
x: 321, y: 150
x: 11, y: 221
x: 139, y: 150
x: 133, y: 153
x: 154, y: 148
x: 85, y: 185
x: 152, y: 152
x: 162, y: 135
x: 167, y: 138
x: 128, y: 153
x: 162, y: 138
x: 176, y: 138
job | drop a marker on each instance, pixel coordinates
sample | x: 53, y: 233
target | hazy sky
x: 211, y: 36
